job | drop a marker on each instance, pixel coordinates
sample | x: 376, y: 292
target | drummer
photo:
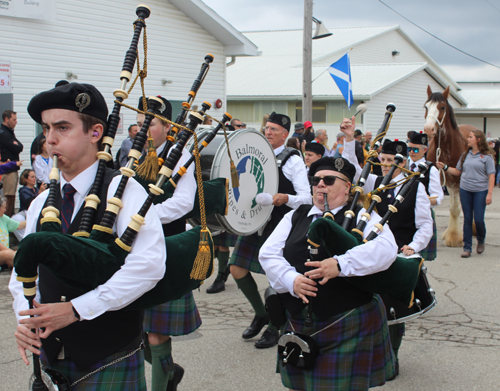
x: 351, y: 333
x: 412, y: 225
x: 417, y: 147
x: 293, y: 191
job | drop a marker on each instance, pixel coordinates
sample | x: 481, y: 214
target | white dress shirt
x: 435, y: 188
x: 143, y: 268
x: 371, y: 257
x: 423, y: 218
x: 42, y: 169
x: 182, y: 201
x: 295, y: 171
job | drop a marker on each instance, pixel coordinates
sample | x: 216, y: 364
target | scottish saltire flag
x: 341, y: 73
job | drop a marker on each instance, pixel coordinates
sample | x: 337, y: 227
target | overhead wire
x: 439, y: 39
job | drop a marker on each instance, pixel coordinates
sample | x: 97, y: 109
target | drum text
x: 253, y: 151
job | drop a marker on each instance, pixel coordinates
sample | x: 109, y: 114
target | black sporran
x: 298, y: 350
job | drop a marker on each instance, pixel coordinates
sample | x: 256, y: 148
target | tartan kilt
x: 246, y: 252
x: 355, y: 354
x: 225, y: 239
x: 177, y: 317
x: 430, y: 252
x: 126, y: 375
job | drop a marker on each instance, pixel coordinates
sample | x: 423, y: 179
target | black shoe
x: 268, y: 339
x: 218, y: 285
x: 178, y: 373
x: 257, y: 324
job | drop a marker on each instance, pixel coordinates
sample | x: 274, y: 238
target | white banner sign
x: 32, y: 9
x: 5, y: 84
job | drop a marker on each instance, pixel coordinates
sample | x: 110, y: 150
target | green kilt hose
x: 355, y: 353
x: 225, y: 239
x: 430, y: 252
x: 126, y: 375
x: 177, y: 317
x: 246, y: 252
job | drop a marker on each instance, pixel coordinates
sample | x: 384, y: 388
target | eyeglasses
x: 413, y: 149
x: 328, y: 180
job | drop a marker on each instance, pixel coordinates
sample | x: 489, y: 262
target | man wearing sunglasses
x: 237, y: 124
x: 355, y: 350
x: 293, y: 191
x: 417, y: 147
x: 412, y: 225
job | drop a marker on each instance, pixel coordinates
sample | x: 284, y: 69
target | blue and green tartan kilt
x: 355, y: 353
x: 177, y: 317
x: 126, y: 375
x: 430, y: 252
x: 246, y: 253
x: 225, y: 239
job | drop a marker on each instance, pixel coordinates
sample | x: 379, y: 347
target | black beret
x: 280, y: 119
x: 417, y: 138
x: 165, y: 109
x: 394, y: 147
x: 82, y: 98
x: 335, y: 164
x: 315, y: 147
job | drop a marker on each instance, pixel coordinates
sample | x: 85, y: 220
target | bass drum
x: 424, y: 301
x: 255, y: 161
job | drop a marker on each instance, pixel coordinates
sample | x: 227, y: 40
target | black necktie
x: 67, y: 206
x: 413, y: 166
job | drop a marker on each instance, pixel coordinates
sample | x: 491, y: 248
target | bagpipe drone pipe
x: 88, y: 259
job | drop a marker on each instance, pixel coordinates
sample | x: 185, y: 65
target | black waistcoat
x: 425, y: 179
x: 285, y: 186
x: 402, y: 223
x: 87, y: 341
x: 337, y: 295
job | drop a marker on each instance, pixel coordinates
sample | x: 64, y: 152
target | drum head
x: 255, y: 161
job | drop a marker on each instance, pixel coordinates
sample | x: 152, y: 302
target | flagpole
x: 307, y: 63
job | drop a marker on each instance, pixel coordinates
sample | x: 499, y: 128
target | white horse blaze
x: 431, y: 120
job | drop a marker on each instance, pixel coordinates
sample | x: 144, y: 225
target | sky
x: 472, y: 26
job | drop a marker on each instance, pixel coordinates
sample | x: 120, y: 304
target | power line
x: 439, y: 39
x: 492, y: 5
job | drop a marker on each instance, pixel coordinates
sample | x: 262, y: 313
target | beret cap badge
x: 339, y: 164
x: 424, y: 140
x: 82, y: 101
x: 399, y: 148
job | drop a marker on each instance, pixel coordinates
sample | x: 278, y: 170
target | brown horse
x: 448, y: 142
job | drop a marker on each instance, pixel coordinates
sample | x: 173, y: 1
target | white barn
x: 87, y: 40
x: 386, y: 66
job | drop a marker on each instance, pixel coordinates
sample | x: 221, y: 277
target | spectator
x: 309, y: 132
x: 127, y: 144
x: 365, y: 151
x: 10, y: 148
x: 29, y: 191
x: 358, y: 148
x: 207, y: 121
x: 264, y: 123
x: 322, y: 138
x: 237, y: 124
x: 7, y: 225
x: 299, y: 131
x: 293, y: 142
x: 43, y: 164
x: 368, y: 136
x: 35, y: 146
x: 340, y: 145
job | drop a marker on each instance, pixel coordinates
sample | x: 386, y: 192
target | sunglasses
x: 413, y: 149
x: 328, y: 180
x: 239, y: 126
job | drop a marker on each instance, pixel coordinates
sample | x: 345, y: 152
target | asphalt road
x: 456, y: 346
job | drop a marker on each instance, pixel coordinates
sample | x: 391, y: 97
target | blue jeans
x: 473, y: 204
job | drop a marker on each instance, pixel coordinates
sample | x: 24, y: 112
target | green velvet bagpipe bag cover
x: 398, y: 281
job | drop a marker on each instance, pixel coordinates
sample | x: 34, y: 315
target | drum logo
x: 251, y: 174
